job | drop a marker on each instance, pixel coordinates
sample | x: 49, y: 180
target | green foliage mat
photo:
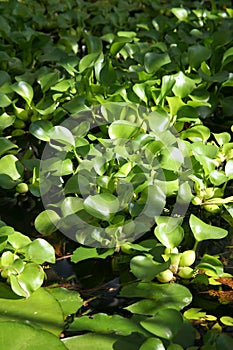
x: 116, y: 156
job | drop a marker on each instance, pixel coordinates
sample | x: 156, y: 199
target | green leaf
x: 103, y: 323
x: 104, y: 341
x: 203, y: 231
x: 102, y: 206
x: 25, y: 337
x: 145, y: 268
x: 39, y: 251
x: 169, y: 232
x: 28, y: 281
x: 197, y: 54
x: 154, y: 61
x: 152, y: 343
x: 4, y: 100
x: 6, y: 120
x: 227, y: 320
x: 224, y: 341
x: 122, y: 129
x: 24, y: 90
x: 83, y: 253
x: 183, y: 85
x: 6, y: 145
x: 40, y: 129
x: 165, y: 323
x: 18, y: 240
x: 46, y: 222
x: 69, y: 300
x: 30, y: 311
x: 10, y: 165
x: 157, y: 297
x: 62, y: 135
x: 88, y: 61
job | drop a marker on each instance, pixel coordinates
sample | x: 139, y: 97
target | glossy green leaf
x: 227, y: 320
x: 88, y: 61
x: 122, y: 129
x: 40, y: 129
x: 24, y: 90
x: 169, y: 235
x: 145, y: 268
x: 104, y: 341
x: 229, y: 169
x: 183, y: 85
x: 28, y: 281
x: 62, y: 135
x: 203, y: 231
x: 39, y: 251
x: 18, y: 240
x: 152, y: 343
x: 102, y: 206
x: 69, y: 300
x: 157, y: 297
x: 4, y: 100
x: 165, y: 323
x: 154, y: 61
x: 46, y: 222
x: 6, y: 145
x: 83, y: 253
x: 30, y: 311
x: 6, y: 120
x: 10, y: 165
x: 197, y: 54
x: 103, y: 323
x: 26, y: 336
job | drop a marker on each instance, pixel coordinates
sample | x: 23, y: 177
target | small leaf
x: 145, y: 268
x: 4, y: 100
x: 183, y: 85
x: 83, y: 253
x: 40, y: 129
x: 197, y: 54
x: 24, y: 90
x: 62, y: 135
x: 10, y: 165
x: 169, y: 235
x: 39, y: 251
x: 122, y: 129
x: 102, y: 206
x: 203, y: 231
x: 154, y: 61
x: 6, y: 145
x: 46, y: 222
x: 152, y: 343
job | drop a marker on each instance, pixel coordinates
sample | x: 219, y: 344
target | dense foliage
x: 116, y: 174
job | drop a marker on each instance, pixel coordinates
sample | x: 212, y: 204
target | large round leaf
x: 17, y: 336
x: 157, y: 297
x: 165, y: 324
x: 40, y: 309
x: 203, y: 231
